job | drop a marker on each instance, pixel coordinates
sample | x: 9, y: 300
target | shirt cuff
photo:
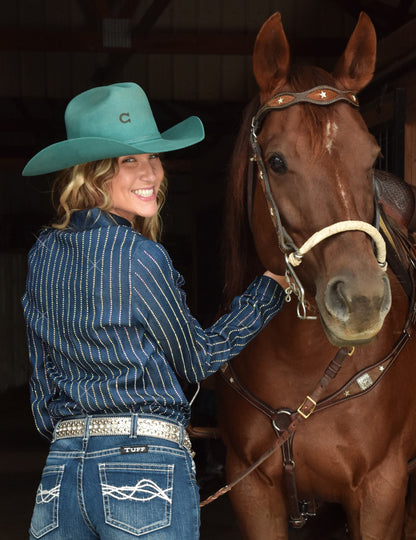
x: 264, y: 289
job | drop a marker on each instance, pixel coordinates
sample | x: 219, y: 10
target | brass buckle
x: 312, y: 409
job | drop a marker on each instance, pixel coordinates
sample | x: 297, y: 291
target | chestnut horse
x: 313, y: 168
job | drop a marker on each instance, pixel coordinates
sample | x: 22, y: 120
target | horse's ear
x: 355, y: 69
x: 271, y: 57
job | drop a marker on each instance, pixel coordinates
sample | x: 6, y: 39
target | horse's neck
x: 297, y: 339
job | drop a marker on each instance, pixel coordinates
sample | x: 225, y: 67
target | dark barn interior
x: 191, y: 57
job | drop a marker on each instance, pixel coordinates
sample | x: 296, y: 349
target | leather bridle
x: 319, y: 95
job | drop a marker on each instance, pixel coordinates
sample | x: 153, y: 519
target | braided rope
x: 295, y: 258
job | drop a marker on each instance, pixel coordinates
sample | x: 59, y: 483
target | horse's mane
x: 239, y: 254
x: 241, y: 261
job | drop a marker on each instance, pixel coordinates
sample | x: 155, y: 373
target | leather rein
x: 285, y: 421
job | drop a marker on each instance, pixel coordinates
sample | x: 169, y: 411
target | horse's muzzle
x: 354, y: 310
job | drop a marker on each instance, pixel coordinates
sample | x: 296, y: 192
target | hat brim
x: 68, y: 153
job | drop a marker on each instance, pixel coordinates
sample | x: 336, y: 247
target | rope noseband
x: 295, y: 258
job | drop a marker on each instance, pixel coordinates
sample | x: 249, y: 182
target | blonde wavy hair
x: 87, y: 186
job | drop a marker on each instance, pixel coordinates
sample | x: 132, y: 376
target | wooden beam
x: 128, y: 9
x: 152, y: 14
x: 397, y: 46
x: 116, y: 60
x: 385, y: 17
x: 125, y: 10
x: 404, y: 7
x: 102, y: 8
x: 86, y: 40
x: 93, y: 13
x: 396, y: 55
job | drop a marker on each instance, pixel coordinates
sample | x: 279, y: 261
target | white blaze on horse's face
x: 343, y: 194
x: 331, y: 131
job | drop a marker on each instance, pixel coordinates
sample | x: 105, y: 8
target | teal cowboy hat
x: 111, y: 121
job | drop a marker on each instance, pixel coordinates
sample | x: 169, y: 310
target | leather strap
x: 319, y: 95
x: 303, y: 412
x: 309, y: 403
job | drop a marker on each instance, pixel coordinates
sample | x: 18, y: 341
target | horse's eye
x: 277, y: 164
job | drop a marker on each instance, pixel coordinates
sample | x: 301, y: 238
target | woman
x: 109, y: 331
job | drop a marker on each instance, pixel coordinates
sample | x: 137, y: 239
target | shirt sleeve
x: 160, y: 305
x: 41, y: 387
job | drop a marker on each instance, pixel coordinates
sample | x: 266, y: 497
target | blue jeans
x: 117, y: 487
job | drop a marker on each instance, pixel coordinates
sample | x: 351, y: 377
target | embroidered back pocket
x: 45, y: 513
x: 137, y: 498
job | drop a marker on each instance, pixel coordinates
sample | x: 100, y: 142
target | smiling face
x: 134, y: 188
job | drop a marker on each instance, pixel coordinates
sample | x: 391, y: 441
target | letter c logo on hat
x: 124, y: 118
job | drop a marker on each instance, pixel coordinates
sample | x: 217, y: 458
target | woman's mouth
x: 145, y: 194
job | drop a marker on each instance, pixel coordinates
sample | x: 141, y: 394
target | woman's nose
x: 147, y: 171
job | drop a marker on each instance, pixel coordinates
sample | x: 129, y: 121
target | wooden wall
x: 55, y: 49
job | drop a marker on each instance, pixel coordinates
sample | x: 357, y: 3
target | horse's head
x: 319, y: 163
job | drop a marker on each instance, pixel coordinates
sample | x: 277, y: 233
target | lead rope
x: 303, y: 412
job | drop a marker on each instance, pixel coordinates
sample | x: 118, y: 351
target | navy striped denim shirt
x: 108, y: 326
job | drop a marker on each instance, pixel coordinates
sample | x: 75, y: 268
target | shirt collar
x: 94, y: 218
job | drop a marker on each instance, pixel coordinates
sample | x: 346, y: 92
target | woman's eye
x: 154, y: 156
x: 128, y: 160
x: 277, y: 164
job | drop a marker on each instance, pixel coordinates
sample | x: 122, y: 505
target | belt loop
x: 54, y: 432
x: 86, y: 429
x: 133, y: 426
x: 181, y: 434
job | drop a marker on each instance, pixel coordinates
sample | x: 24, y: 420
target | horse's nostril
x: 336, y: 300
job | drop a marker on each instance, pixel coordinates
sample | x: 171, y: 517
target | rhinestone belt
x: 122, y: 425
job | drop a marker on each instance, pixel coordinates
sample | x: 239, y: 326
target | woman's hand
x: 281, y: 280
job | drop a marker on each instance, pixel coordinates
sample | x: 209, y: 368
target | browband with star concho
x: 320, y: 95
